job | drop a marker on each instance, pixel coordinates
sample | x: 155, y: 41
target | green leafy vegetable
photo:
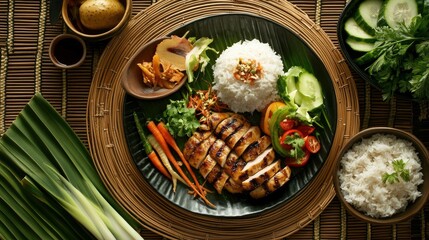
x: 180, y: 120
x: 46, y: 173
x: 297, y: 144
x: 399, y: 60
x: 399, y: 172
x: 198, y: 57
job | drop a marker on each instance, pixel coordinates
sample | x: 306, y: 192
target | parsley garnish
x: 296, y: 142
x: 399, y: 171
x: 180, y: 120
x: 399, y: 61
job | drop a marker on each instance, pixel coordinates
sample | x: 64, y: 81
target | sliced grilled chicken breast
x: 232, y: 139
x: 254, y: 166
x: 262, y: 176
x: 252, y: 135
x: 229, y: 126
x: 195, y: 140
x: 233, y: 186
x: 219, y: 183
x: 219, y: 151
x: 217, y: 117
x: 207, y: 166
x: 274, y: 183
x: 257, y: 148
x: 200, y: 151
x: 214, y: 174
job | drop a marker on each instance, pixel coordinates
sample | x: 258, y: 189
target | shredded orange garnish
x: 205, y: 102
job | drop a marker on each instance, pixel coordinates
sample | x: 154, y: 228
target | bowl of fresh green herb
x: 387, y: 43
x: 381, y: 175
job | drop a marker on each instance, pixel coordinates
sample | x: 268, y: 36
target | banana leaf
x: 294, y: 52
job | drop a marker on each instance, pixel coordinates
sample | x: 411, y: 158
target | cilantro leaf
x: 180, y: 120
x: 399, y: 60
x: 399, y: 171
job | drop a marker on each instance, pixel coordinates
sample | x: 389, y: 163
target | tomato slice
x: 287, y: 124
x: 312, y: 144
x: 286, y: 134
x: 267, y: 114
x: 306, y: 129
x: 293, y: 162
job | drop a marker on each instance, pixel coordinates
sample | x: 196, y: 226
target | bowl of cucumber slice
x: 387, y: 43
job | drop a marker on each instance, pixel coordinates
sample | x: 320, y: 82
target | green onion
x: 46, y: 176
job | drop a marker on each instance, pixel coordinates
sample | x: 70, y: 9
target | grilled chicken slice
x: 232, y: 139
x: 214, y: 174
x: 252, y: 135
x: 219, y: 151
x: 278, y: 180
x: 254, y: 166
x: 200, y: 151
x: 262, y: 176
x: 207, y: 166
x: 233, y: 164
x: 220, y: 182
x: 195, y: 140
x: 229, y: 126
x: 217, y: 117
x: 233, y: 186
x: 257, y: 148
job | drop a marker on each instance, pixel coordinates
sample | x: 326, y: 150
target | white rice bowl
x: 241, y: 96
x: 362, y: 167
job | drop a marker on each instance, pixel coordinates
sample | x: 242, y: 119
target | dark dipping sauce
x: 68, y: 51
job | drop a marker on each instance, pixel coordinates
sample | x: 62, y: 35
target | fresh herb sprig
x: 400, y: 59
x: 180, y: 120
x: 399, y: 172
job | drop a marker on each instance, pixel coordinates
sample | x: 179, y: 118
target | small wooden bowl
x: 90, y: 35
x: 132, y: 78
x: 412, y: 208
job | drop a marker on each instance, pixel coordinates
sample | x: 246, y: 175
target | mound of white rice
x: 241, y: 96
x: 361, y: 173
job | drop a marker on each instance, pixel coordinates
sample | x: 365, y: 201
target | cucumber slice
x: 395, y: 12
x: 356, y: 32
x: 367, y: 15
x: 359, y: 46
x: 311, y: 91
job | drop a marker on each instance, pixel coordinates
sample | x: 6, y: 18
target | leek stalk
x: 44, y: 165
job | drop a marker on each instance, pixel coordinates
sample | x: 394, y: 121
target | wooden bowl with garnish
x: 138, y: 77
x: 382, y: 175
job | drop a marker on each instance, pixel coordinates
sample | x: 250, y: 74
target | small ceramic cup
x: 67, y: 51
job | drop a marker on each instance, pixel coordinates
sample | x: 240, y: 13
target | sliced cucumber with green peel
x: 356, y: 32
x: 394, y: 12
x: 359, y: 46
x: 309, y: 87
x: 367, y: 14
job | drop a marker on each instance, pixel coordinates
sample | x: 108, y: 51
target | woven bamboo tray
x: 109, y: 148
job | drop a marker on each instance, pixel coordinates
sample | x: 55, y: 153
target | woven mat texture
x: 25, y: 68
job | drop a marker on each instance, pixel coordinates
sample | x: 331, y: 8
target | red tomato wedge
x: 287, y: 124
x: 312, y: 144
x: 293, y: 162
x: 306, y: 129
x: 290, y: 132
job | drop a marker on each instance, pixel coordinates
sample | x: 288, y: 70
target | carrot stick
x: 148, y: 149
x: 158, y: 136
x: 170, y: 140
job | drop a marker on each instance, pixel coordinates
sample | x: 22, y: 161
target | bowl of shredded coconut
x: 381, y: 175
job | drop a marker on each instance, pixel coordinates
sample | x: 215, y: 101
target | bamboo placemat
x: 25, y: 33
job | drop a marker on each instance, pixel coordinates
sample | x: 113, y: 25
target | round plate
x: 110, y: 150
x: 294, y: 52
